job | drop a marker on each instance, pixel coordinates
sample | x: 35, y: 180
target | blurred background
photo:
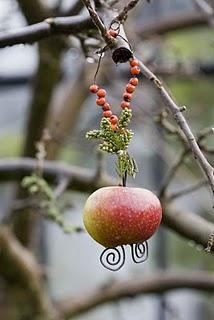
x: 45, y: 85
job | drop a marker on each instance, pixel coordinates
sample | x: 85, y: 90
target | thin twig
x: 205, y: 133
x: 74, y: 9
x: 208, y: 150
x: 123, y: 15
x: 183, y: 125
x: 98, y: 23
x: 61, y: 187
x: 175, y: 21
x: 187, y: 190
x: 206, y: 10
x: 171, y: 173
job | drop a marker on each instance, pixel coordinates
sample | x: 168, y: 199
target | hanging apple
x: 116, y: 216
x: 119, y: 216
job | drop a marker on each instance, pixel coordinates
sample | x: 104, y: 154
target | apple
x: 116, y: 216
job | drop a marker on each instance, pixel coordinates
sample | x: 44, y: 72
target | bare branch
x: 47, y: 28
x: 206, y: 10
x: 187, y: 190
x: 81, y: 179
x: 175, y: 22
x: 61, y: 187
x: 75, y: 24
x: 203, y: 134
x: 171, y: 173
x: 187, y: 224
x: 98, y: 22
x: 74, y: 9
x: 124, y: 14
x: 34, y: 11
x: 151, y: 284
x: 26, y: 271
x: 183, y: 125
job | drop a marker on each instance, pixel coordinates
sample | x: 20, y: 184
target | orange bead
x: 100, y: 101
x: 107, y: 114
x: 134, y: 81
x: 106, y: 106
x: 134, y: 63
x: 130, y: 88
x: 127, y: 96
x: 135, y: 70
x: 125, y: 104
x: 112, y: 33
x: 94, y: 88
x: 113, y: 119
x: 101, y: 93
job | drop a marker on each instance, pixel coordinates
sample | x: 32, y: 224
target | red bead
x: 106, y: 106
x: 112, y: 33
x: 107, y: 114
x: 125, y: 104
x: 94, y: 88
x: 114, y: 119
x: 134, y: 81
x: 130, y: 88
x: 100, y: 101
x: 134, y: 63
x: 127, y: 96
x: 135, y: 70
x: 101, y: 93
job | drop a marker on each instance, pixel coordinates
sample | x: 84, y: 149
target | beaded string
x: 113, y: 132
x: 127, y: 95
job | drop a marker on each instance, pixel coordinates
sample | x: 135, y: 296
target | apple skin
x: 116, y: 216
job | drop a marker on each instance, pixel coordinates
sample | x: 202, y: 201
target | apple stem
x: 124, y: 179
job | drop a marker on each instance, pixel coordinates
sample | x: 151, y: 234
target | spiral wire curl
x: 139, y: 251
x: 112, y: 258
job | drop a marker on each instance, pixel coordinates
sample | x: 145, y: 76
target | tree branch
x: 81, y: 179
x: 75, y: 24
x: 171, y: 173
x: 18, y: 265
x: 98, y: 23
x: 206, y: 10
x: 122, y: 16
x: 175, y: 22
x: 187, y: 190
x: 34, y: 11
x: 183, y: 125
x: 74, y: 9
x: 187, y: 224
x: 153, y: 284
x: 67, y: 111
x: 47, y: 28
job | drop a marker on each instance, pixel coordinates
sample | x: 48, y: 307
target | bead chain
x: 127, y: 95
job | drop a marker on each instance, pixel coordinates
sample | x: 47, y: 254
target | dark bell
x: 122, y: 55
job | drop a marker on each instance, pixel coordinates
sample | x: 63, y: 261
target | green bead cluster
x: 125, y: 118
x: 116, y: 141
x: 113, y: 140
